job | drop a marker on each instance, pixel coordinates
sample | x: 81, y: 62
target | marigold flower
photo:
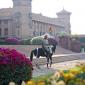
x: 30, y: 83
x: 41, y: 83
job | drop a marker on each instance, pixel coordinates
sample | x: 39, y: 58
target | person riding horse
x: 45, y: 45
x: 45, y: 51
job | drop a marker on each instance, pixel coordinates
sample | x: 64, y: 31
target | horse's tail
x: 31, y: 55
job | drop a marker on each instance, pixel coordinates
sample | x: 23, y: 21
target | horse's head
x: 52, y: 49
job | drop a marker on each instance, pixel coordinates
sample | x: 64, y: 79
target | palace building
x: 19, y: 21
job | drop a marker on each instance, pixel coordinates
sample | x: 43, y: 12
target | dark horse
x: 41, y: 52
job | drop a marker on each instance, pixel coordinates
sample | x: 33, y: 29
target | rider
x: 45, y: 44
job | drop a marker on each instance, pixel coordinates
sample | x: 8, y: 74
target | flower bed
x: 74, y: 76
x: 14, y: 66
x: 12, y: 40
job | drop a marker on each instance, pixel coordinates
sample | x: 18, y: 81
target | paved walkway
x: 60, y: 58
x: 57, y: 66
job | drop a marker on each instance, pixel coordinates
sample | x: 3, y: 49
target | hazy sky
x: 51, y: 7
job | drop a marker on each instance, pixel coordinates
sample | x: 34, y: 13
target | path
x: 55, y: 67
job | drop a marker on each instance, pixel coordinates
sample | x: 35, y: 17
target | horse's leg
x: 31, y: 56
x: 47, y: 62
x: 50, y: 60
x: 37, y: 65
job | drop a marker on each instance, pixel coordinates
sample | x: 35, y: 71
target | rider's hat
x: 45, y: 37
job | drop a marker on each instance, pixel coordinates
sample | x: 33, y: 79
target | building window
x: 6, y: 31
x: 18, y: 15
x: 34, y: 33
x: 5, y: 21
x: 0, y: 21
x: 0, y: 31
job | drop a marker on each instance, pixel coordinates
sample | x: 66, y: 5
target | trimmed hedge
x: 2, y: 42
x: 39, y: 40
x: 36, y: 40
x: 25, y: 42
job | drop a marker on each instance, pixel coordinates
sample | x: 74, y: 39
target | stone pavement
x: 60, y: 58
x: 55, y: 67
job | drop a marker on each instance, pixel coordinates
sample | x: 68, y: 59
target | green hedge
x: 36, y: 40
x: 2, y: 42
x: 25, y: 42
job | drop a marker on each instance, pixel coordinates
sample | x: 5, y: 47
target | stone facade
x: 19, y: 21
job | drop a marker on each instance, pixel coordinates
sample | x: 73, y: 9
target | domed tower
x: 64, y: 18
x: 22, y: 17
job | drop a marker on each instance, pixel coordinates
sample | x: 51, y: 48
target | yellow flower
x: 40, y: 83
x: 30, y: 83
x: 61, y: 73
x: 61, y: 83
x: 71, y: 75
x: 75, y: 71
x: 53, y: 82
x: 84, y: 81
x: 56, y: 75
x: 66, y: 76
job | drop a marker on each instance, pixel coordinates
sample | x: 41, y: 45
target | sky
x: 51, y: 7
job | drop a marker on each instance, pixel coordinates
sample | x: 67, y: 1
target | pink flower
x: 13, y: 56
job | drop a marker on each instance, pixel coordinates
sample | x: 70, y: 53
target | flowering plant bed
x: 73, y: 76
x: 12, y: 41
x: 14, y: 66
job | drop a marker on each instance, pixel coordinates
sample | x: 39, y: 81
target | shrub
x: 25, y: 42
x: 36, y: 40
x: 12, y: 40
x: 14, y: 66
x: 2, y: 42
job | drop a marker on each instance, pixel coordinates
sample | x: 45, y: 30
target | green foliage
x: 71, y: 82
x: 2, y: 42
x: 25, y: 42
x: 44, y: 78
x: 36, y: 41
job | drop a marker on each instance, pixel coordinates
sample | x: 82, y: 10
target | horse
x: 41, y: 52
